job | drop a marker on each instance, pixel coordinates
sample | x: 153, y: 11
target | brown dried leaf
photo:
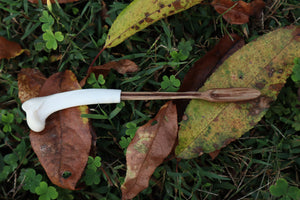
x: 205, y: 66
x: 121, y: 66
x: 64, y: 145
x: 151, y: 144
x: 52, y: 1
x: 9, y: 49
x: 30, y: 82
x: 238, y: 12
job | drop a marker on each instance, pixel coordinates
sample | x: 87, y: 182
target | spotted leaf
x: 141, y: 13
x: 264, y: 64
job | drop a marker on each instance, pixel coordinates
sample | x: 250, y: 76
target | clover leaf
x: 30, y: 179
x: 131, y: 129
x: 96, y: 82
x: 12, y: 160
x: 170, y: 84
x: 46, y: 192
x: 282, y: 189
x: 184, y: 50
x: 91, y: 177
x: 59, y: 36
x: 5, y: 172
x: 51, y: 39
x: 93, y: 163
x: 47, y: 20
x: 125, y: 141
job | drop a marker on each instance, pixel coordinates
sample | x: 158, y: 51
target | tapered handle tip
x: 233, y: 94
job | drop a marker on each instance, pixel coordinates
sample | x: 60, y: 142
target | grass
x: 245, y: 169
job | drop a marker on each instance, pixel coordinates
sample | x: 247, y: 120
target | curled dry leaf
x: 142, y: 14
x: 205, y: 66
x: 64, y: 145
x: 9, y: 49
x: 121, y: 66
x: 52, y: 1
x: 238, y: 12
x: 151, y: 144
x: 264, y: 64
x: 30, y: 82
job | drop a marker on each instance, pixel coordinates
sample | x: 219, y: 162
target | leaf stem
x: 97, y: 56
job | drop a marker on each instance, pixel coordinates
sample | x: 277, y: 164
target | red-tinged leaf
x: 52, y: 1
x: 205, y: 66
x: 30, y: 82
x: 152, y: 143
x: 238, y: 12
x: 64, y: 145
x: 9, y: 49
x: 121, y: 66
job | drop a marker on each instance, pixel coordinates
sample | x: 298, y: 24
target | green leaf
x: 294, y: 193
x: 11, y: 159
x: 170, y: 85
x: 264, y: 64
x: 50, y: 39
x: 5, y: 172
x: 42, y: 188
x: 101, y: 79
x: 296, y: 123
x: 185, y: 47
x: 142, y: 13
x: 91, y: 177
x: 59, y: 36
x: 7, y: 118
x: 30, y: 179
x: 125, y: 141
x: 118, y: 109
x: 131, y: 129
x: 94, y: 163
x: 280, y: 188
x: 47, y: 20
x: 296, y: 71
x: 45, y: 192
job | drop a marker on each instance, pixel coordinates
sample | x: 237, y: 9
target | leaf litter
x: 134, y: 184
x: 238, y: 12
x: 10, y: 49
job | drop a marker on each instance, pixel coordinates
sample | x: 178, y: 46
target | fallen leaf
x: 64, y: 145
x: 264, y: 64
x: 121, y: 66
x: 52, y: 1
x: 238, y: 12
x: 151, y: 144
x: 205, y: 66
x: 139, y: 14
x: 9, y: 49
x: 30, y: 82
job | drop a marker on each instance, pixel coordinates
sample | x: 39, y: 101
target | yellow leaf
x: 264, y: 64
x: 140, y: 14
